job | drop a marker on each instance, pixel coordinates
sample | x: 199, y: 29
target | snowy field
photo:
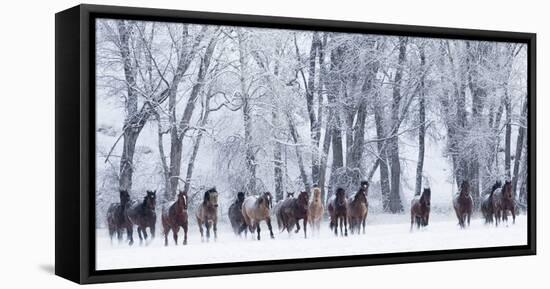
x: 384, y: 234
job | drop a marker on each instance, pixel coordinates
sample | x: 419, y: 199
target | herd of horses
x: 247, y: 212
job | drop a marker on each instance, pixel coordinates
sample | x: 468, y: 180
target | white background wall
x: 27, y: 142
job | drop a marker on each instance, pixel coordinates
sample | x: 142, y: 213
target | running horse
x: 463, y: 205
x: 359, y: 208
x: 207, y: 214
x: 291, y: 211
x: 338, y: 211
x: 143, y: 215
x: 420, y: 209
x: 175, y: 217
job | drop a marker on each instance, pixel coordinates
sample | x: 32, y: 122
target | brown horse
x: 143, y: 215
x: 291, y: 211
x: 338, y: 211
x: 359, y: 208
x: 256, y: 209
x: 487, y: 203
x: 420, y: 209
x: 316, y: 210
x: 117, y: 217
x: 207, y: 214
x: 235, y: 214
x: 175, y: 217
x: 463, y: 205
x: 503, y: 201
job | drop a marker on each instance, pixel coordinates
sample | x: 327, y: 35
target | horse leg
x: 140, y: 235
x: 305, y: 227
x: 469, y: 216
x: 412, y: 222
x: 258, y: 230
x: 297, y: 226
x: 215, y: 228
x: 184, y: 234
x: 364, y: 223
x: 130, y: 233
x: 175, y: 231
x: 268, y: 221
x: 144, y: 230
x: 513, y: 211
x: 207, y: 225
x: 152, y: 228
x: 166, y: 231
x: 200, y: 229
x: 345, y: 226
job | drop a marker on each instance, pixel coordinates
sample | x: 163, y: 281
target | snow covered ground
x: 384, y: 234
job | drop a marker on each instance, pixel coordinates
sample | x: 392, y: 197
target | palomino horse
x: 175, y: 217
x: 463, y: 205
x: 338, y: 211
x: 207, y: 214
x: 503, y: 201
x: 420, y: 209
x: 117, y: 217
x: 316, y: 210
x: 235, y: 214
x: 291, y: 211
x: 143, y: 215
x: 359, y: 208
x: 487, y: 203
x: 256, y: 209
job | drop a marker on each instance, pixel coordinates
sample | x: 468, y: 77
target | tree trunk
x: 519, y: 146
x: 395, y: 204
x: 178, y: 131
x: 508, y: 136
x: 296, y: 139
x: 422, y: 122
x: 250, y: 156
x: 383, y: 158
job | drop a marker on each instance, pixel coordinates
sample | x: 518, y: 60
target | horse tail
x: 279, y: 220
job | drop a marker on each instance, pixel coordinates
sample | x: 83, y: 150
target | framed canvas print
x: 194, y: 144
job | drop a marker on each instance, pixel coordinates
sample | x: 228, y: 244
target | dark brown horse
x: 420, y: 209
x: 338, y: 211
x: 117, y: 217
x: 235, y: 214
x: 487, y: 203
x: 143, y: 215
x: 291, y: 211
x: 175, y: 217
x: 359, y: 209
x: 207, y: 214
x: 503, y: 201
x: 463, y: 205
x: 256, y: 209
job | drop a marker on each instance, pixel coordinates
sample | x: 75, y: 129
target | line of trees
x: 285, y: 110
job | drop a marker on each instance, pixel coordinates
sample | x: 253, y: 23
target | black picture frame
x: 75, y: 138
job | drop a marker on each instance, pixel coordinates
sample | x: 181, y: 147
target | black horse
x: 117, y: 217
x: 143, y: 215
x: 487, y: 203
x: 235, y: 214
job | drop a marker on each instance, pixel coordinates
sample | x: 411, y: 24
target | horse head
x: 340, y: 197
x: 364, y: 187
x: 507, y: 190
x: 426, y: 196
x: 497, y: 185
x: 240, y: 197
x: 150, y: 200
x: 266, y: 199
x: 303, y: 199
x: 124, y: 197
x: 289, y: 195
x: 316, y: 194
x: 182, y: 200
x: 211, y: 198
